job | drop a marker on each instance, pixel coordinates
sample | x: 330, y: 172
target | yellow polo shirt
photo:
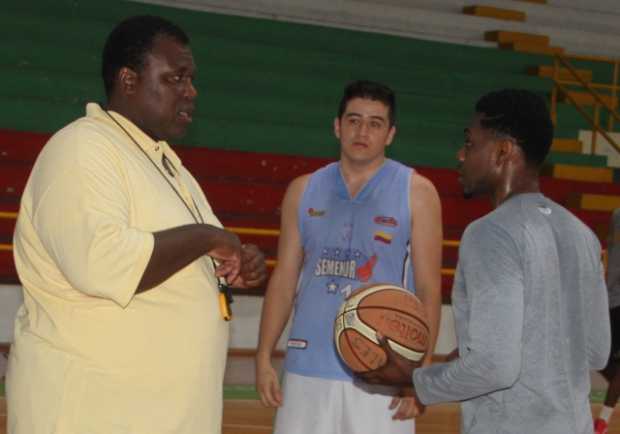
x: 90, y: 356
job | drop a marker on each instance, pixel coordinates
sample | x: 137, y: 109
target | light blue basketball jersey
x: 347, y: 243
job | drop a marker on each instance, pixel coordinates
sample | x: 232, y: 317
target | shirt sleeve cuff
x: 418, y: 384
x: 123, y: 294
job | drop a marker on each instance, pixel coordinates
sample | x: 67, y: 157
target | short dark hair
x: 522, y: 115
x: 369, y: 90
x: 129, y: 43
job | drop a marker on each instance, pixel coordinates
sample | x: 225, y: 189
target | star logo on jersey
x: 332, y: 287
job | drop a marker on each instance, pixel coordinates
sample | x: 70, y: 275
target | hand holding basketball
x: 406, y: 404
x: 397, y: 370
x: 388, y: 310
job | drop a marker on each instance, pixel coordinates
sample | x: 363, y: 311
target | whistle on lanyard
x: 225, y: 299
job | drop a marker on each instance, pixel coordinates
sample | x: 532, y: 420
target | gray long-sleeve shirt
x: 531, y: 314
x: 613, y: 260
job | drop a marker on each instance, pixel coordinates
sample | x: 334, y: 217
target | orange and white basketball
x: 389, y: 309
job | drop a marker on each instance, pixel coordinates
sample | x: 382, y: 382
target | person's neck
x: 128, y: 112
x: 356, y: 175
x: 521, y: 182
x: 118, y: 106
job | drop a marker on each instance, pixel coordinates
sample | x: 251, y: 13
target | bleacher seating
x: 266, y: 86
x: 582, y: 27
x: 269, y: 92
x: 246, y: 189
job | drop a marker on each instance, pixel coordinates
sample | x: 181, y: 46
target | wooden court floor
x: 250, y: 417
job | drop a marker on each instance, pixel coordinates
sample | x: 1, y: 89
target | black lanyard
x: 225, y: 291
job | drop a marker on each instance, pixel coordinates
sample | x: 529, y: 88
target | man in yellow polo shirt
x: 121, y: 328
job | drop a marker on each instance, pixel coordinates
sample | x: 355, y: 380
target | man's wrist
x: 263, y: 355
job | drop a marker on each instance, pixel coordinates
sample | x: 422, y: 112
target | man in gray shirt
x: 529, y: 296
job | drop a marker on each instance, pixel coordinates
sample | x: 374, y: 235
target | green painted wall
x: 264, y: 85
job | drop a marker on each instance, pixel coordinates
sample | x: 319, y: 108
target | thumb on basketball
x: 393, y: 356
x: 383, y: 342
x: 394, y: 403
x: 399, y: 364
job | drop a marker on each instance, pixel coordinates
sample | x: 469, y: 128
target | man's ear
x: 391, y: 135
x: 337, y: 127
x: 127, y: 79
x: 505, y: 150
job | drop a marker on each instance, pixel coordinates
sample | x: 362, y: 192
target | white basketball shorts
x: 321, y: 406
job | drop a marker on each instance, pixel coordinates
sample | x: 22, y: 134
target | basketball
x: 392, y: 311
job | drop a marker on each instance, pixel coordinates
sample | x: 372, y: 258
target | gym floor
x: 248, y: 416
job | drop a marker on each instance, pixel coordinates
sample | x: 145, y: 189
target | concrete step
x: 581, y: 173
x: 567, y: 145
x: 493, y: 12
x: 594, y: 202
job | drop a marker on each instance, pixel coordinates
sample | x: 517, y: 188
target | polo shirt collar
x: 153, y: 148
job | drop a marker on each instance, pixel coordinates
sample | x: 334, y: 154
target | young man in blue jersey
x: 363, y: 219
x: 529, y: 298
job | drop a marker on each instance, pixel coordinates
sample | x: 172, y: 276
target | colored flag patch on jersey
x: 299, y: 344
x: 386, y: 221
x: 383, y: 237
x: 316, y: 212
